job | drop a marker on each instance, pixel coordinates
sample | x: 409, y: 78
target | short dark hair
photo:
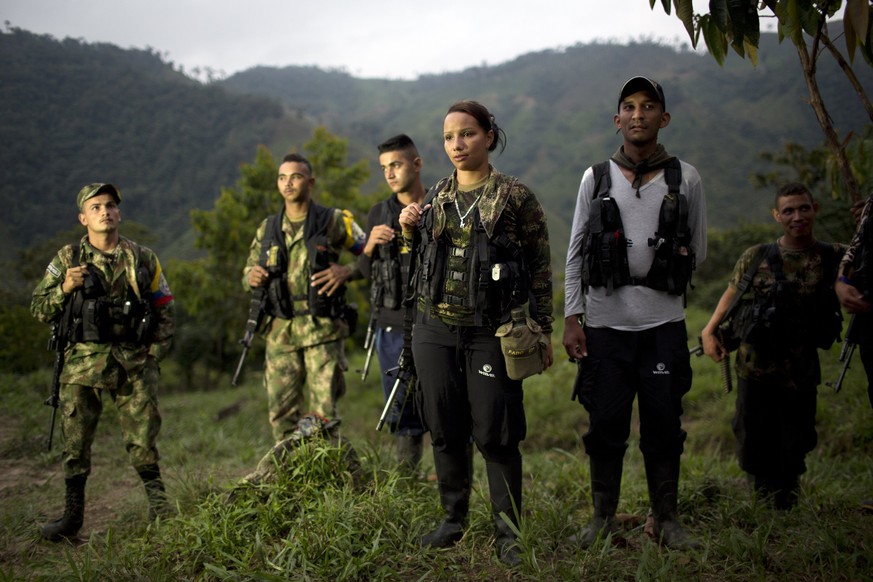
x: 298, y: 159
x: 484, y: 118
x: 400, y: 142
x: 792, y: 189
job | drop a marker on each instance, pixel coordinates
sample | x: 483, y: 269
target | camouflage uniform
x: 774, y: 423
x: 305, y: 350
x: 128, y: 371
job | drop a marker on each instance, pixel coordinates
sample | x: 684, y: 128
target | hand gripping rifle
x: 256, y: 315
x: 846, y: 353
x: 405, y: 371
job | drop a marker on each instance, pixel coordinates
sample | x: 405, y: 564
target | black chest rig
x: 280, y: 302
x: 390, y: 267
x: 604, y: 250
x: 94, y: 317
x: 493, y: 269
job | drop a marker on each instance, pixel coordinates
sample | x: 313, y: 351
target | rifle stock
x: 256, y: 316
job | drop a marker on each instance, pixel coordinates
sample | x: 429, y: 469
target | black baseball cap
x: 637, y: 84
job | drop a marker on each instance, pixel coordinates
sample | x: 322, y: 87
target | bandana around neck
x: 656, y: 161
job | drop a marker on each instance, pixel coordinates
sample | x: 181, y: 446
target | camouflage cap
x: 92, y: 190
x: 637, y: 84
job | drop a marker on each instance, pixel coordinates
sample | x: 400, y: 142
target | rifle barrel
x: 838, y: 385
x: 239, y: 366
x: 389, y: 403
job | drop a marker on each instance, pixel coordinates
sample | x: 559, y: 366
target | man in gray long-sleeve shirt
x: 638, y: 230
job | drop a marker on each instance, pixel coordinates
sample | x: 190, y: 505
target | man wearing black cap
x: 638, y: 230
x: 115, y: 312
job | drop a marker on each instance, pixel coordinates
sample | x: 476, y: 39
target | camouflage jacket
x: 305, y: 331
x: 781, y: 364
x: 98, y: 364
x: 509, y: 206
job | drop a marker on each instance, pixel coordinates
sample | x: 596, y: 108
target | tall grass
x: 316, y: 522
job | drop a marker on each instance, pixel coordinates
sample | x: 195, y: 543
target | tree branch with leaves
x: 737, y: 24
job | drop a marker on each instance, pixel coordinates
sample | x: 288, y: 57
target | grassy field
x: 317, y: 523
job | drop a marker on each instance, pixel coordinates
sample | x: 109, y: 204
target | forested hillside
x: 557, y: 108
x: 74, y: 112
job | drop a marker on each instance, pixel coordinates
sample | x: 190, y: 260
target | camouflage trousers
x: 301, y: 381
x: 136, y: 401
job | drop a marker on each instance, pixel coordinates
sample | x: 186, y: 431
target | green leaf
x: 752, y: 51
x: 719, y: 11
x: 685, y: 13
x: 715, y: 39
x: 856, y: 20
x: 809, y: 15
x: 867, y: 45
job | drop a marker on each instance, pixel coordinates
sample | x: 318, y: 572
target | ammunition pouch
x: 387, y: 291
x: 672, y: 266
x: 101, y: 320
x: 604, y: 252
x: 279, y: 302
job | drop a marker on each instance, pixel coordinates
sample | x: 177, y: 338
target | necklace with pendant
x: 470, y: 209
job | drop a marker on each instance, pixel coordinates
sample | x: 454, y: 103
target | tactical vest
x: 94, y: 317
x: 781, y: 318
x: 496, y: 273
x: 389, y: 269
x: 280, y: 302
x: 604, y: 250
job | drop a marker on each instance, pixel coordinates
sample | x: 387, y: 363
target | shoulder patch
x: 53, y: 271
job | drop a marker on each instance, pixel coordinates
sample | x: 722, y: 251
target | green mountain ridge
x: 74, y: 112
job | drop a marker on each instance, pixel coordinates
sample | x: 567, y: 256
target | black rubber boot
x: 159, y: 505
x: 455, y: 475
x: 605, y: 492
x: 409, y: 453
x: 762, y: 488
x: 662, y: 475
x: 786, y: 493
x: 504, y: 486
x: 69, y: 524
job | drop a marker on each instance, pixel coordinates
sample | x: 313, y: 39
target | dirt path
x: 32, y: 492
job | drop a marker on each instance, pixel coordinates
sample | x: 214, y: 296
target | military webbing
x: 672, y: 216
x: 317, y: 222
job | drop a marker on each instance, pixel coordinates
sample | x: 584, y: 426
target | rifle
x: 724, y: 365
x: 369, y: 345
x: 58, y: 344
x: 256, y: 316
x: 846, y: 353
x: 405, y: 375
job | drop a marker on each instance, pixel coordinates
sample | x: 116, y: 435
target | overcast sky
x: 367, y: 38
